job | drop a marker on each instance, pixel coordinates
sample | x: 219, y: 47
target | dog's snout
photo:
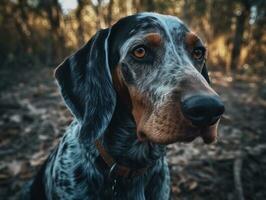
x: 202, y: 110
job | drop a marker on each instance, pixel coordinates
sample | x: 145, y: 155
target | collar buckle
x: 113, y: 171
x: 116, y: 170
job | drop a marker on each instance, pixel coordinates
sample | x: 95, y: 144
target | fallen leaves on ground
x: 33, y: 118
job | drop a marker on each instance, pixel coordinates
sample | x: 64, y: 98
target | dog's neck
x: 122, y: 144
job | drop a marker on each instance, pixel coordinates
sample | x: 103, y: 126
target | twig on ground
x: 7, y: 152
x: 237, y: 177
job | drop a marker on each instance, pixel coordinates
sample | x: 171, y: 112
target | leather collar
x: 114, y: 169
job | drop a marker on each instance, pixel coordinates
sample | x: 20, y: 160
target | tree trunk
x: 136, y: 5
x: 97, y: 9
x: 54, y: 14
x: 110, y: 13
x: 80, y: 31
x: 22, y: 25
x: 150, y: 5
x: 238, y: 37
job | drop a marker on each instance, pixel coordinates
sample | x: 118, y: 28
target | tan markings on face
x: 130, y: 96
x: 163, y: 124
x: 191, y: 40
x: 167, y: 125
x: 140, y: 106
x: 120, y: 87
x: 154, y: 39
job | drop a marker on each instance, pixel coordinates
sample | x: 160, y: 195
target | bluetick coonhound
x: 132, y: 89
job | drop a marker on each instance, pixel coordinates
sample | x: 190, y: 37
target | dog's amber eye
x: 198, y: 53
x: 139, y: 52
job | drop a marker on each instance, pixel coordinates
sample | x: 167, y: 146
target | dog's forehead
x: 169, y: 27
x: 167, y: 22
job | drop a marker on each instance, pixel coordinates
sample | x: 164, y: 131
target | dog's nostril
x: 202, y: 110
x: 205, y: 110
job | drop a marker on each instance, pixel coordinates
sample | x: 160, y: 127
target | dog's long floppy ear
x: 86, y: 86
x: 204, y: 73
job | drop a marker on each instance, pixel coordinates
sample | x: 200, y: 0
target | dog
x: 132, y: 89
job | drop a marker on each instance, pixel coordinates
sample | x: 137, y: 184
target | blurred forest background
x: 36, y: 35
x: 43, y: 32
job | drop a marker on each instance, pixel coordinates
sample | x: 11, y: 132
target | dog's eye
x: 139, y: 52
x: 198, y: 53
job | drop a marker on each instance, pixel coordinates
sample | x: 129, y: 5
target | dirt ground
x: 33, y: 118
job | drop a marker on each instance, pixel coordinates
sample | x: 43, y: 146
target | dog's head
x: 156, y: 66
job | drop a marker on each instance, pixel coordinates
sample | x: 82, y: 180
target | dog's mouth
x: 168, y: 125
x: 208, y: 135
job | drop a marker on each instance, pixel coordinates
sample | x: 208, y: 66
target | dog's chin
x: 208, y: 135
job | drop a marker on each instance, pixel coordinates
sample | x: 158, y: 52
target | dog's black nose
x: 202, y: 110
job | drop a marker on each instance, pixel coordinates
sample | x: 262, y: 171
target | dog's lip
x: 209, y: 134
x: 191, y: 134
